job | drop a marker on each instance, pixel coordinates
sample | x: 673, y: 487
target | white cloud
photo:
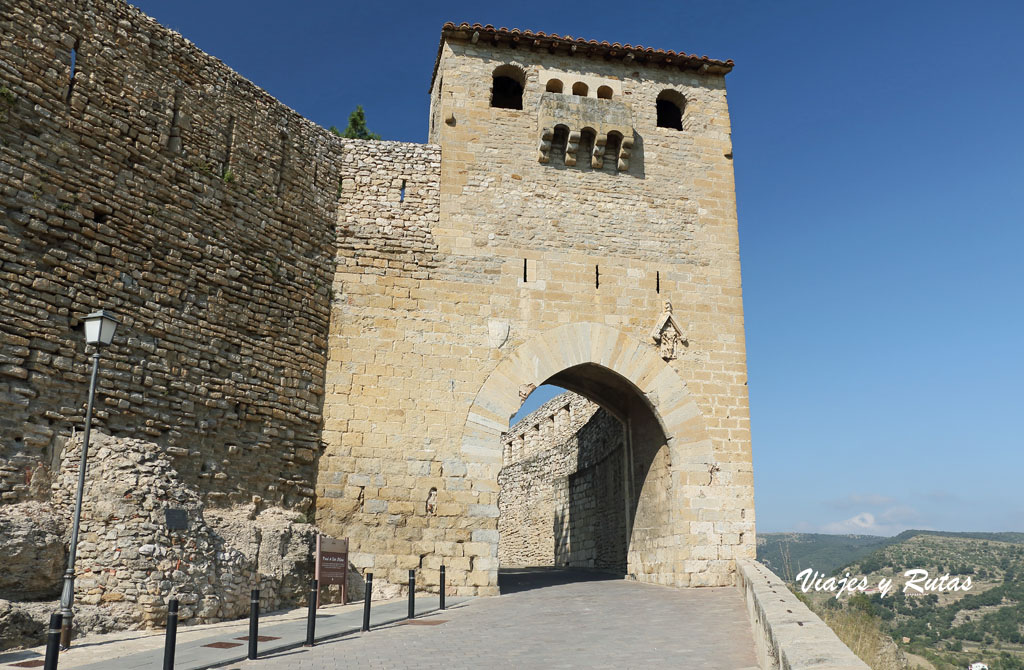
x: 891, y: 521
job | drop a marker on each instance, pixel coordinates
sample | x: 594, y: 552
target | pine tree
x: 356, y: 129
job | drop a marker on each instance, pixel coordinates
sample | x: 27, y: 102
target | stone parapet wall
x: 787, y: 635
x: 153, y: 181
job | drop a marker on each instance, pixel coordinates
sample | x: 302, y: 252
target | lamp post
x: 99, y: 331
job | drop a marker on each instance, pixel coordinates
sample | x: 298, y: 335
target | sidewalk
x: 142, y: 650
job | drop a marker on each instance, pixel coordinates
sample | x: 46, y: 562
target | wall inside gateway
x: 562, y: 499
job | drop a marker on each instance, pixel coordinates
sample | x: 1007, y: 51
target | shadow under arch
x: 629, y: 379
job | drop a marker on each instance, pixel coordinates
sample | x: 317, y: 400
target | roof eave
x: 474, y: 33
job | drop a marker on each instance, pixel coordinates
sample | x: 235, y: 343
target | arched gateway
x: 539, y: 238
x: 667, y: 449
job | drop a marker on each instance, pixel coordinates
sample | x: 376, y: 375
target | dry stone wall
x: 151, y: 180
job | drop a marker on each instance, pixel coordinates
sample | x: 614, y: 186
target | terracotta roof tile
x: 553, y: 41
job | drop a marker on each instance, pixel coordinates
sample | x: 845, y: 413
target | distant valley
x: 944, y: 631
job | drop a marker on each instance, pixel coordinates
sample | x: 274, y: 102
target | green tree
x: 356, y: 129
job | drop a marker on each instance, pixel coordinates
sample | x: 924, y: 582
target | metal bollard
x: 254, y: 623
x: 53, y: 641
x: 412, y: 594
x: 314, y: 591
x: 442, y: 587
x: 172, y: 633
x: 366, y: 601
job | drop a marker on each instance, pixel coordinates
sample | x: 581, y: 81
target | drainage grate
x: 223, y: 645
x: 259, y: 638
x: 424, y: 622
x: 29, y: 664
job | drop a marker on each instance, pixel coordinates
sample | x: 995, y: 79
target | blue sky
x: 879, y: 158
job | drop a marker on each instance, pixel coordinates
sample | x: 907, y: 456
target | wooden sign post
x: 332, y: 564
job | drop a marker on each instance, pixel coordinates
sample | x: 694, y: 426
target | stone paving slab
x: 593, y: 624
x: 142, y: 650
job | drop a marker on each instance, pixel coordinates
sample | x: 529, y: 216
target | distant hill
x: 943, y: 631
x: 786, y: 554
x: 789, y: 553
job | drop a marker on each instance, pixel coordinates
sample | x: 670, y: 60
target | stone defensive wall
x: 563, y: 499
x: 343, y: 329
x: 141, y: 175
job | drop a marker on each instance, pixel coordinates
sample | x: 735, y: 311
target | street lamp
x: 99, y: 332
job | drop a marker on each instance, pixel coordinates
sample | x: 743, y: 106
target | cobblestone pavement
x: 546, y: 621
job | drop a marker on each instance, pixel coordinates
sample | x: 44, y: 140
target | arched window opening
x: 604, y: 92
x: 611, y: 152
x: 579, y: 88
x: 586, y: 150
x: 554, y: 86
x: 670, y: 106
x: 558, y: 145
x: 507, y: 87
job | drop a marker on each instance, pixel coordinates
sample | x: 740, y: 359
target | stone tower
x: 573, y: 221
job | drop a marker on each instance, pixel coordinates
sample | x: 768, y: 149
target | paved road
x: 548, y: 619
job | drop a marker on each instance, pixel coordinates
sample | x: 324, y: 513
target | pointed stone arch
x: 680, y: 554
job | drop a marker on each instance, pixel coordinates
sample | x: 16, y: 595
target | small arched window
x: 604, y: 92
x: 554, y: 86
x: 579, y: 88
x: 670, y: 106
x: 507, y: 87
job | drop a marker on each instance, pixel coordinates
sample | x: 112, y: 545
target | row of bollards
x: 170, y: 640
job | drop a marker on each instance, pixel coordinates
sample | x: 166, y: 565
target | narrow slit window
x: 611, y: 152
x: 524, y: 270
x: 597, y: 276
x: 401, y: 193
x: 657, y: 282
x: 585, y: 149
x: 72, y: 72
x: 558, y: 145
